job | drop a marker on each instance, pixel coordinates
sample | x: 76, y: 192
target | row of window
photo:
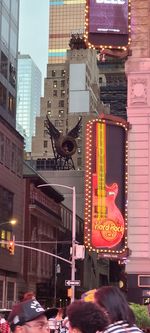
x: 62, y: 93
x: 55, y: 73
x: 55, y: 83
x: 61, y: 102
x: 66, y: 215
x: 10, y: 155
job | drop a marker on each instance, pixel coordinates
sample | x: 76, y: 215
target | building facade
x: 11, y: 153
x: 65, y: 18
x: 28, y: 98
x: 66, y: 100
x: 9, y: 24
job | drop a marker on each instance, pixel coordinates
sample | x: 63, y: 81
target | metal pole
x: 73, y: 268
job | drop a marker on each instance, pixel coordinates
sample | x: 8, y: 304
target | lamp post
x: 12, y: 222
x: 73, y: 268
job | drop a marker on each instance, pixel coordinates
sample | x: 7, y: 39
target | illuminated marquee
x: 106, y: 185
x: 108, y: 24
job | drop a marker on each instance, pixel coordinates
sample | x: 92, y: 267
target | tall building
x: 66, y: 99
x: 65, y: 18
x: 28, y: 97
x: 11, y: 153
x: 9, y: 11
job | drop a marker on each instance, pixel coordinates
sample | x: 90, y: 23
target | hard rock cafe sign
x: 106, y: 186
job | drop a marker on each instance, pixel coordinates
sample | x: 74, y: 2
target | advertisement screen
x: 108, y: 22
x: 106, y: 199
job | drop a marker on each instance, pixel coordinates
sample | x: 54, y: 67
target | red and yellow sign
x: 105, y: 188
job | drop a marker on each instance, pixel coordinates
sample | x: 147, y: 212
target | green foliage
x: 141, y: 315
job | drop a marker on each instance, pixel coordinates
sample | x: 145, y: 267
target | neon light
x: 105, y: 226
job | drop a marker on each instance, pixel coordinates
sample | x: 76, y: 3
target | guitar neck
x: 101, y: 168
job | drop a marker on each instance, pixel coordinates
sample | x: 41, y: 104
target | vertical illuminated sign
x: 106, y: 186
x: 108, y: 22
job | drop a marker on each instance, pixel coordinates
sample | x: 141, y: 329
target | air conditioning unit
x: 143, y: 280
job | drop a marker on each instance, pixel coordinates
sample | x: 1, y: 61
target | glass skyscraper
x: 28, y: 97
x: 66, y: 17
x: 9, y: 25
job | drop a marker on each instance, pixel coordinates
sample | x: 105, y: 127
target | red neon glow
x: 107, y: 220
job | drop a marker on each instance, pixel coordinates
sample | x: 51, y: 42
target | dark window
x: 61, y: 103
x: 2, y: 95
x: 11, y: 104
x: 62, y: 93
x: 63, y: 72
x: 45, y: 144
x: 62, y: 83
x: 6, y: 204
x: 49, y: 104
x: 4, y: 65
x: 54, y: 92
x: 53, y: 73
x: 2, y: 147
x: 55, y: 84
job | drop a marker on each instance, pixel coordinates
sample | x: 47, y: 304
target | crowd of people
x: 108, y: 312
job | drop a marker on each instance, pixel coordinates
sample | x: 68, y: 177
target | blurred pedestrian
x: 122, y: 318
x: 86, y: 317
x: 29, y: 316
x: 29, y: 295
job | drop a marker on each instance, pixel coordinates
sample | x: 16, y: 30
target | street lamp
x: 12, y: 222
x: 73, y: 268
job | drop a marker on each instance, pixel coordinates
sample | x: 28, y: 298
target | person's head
x: 86, y: 317
x: 112, y: 299
x: 28, y: 295
x: 29, y: 317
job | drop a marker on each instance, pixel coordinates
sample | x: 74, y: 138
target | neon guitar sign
x: 107, y: 220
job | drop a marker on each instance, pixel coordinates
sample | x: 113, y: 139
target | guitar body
x: 107, y: 220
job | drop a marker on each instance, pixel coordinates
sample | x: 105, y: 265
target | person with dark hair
x: 28, y: 295
x: 29, y: 316
x: 122, y: 318
x: 86, y: 317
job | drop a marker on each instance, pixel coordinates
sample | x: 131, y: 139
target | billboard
x: 106, y: 186
x: 107, y: 22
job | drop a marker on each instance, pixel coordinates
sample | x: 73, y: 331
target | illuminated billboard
x: 106, y: 186
x: 107, y: 23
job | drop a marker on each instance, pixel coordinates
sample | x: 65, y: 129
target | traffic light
x: 11, y: 247
x: 69, y: 292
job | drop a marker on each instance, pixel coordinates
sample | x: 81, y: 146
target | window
x: 7, y: 153
x: 62, y: 83
x: 54, y: 92
x: 63, y: 72
x: 53, y: 73
x: 79, y: 161
x: 45, y: 144
x: 49, y: 104
x: 62, y: 93
x: 2, y: 95
x: 2, y: 145
x: 4, y: 64
x: 61, y: 103
x: 13, y: 157
x: 11, y: 104
x: 55, y: 84
x: 61, y: 113
x: 6, y: 204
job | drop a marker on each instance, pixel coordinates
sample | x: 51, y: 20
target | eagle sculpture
x: 65, y: 145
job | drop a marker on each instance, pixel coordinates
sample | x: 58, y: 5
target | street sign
x: 72, y: 283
